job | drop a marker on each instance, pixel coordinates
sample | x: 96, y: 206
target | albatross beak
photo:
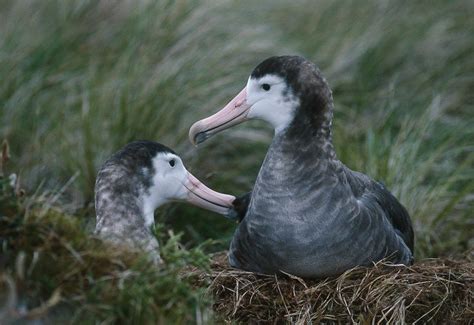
x: 233, y: 113
x: 202, y: 196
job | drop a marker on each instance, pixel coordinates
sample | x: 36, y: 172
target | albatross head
x: 284, y: 91
x: 170, y: 181
x: 143, y: 176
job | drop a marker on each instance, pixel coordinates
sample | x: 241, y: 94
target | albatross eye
x: 266, y: 87
x: 172, y: 162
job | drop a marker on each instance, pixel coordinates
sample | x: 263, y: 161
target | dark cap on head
x: 138, y: 154
x: 283, y: 66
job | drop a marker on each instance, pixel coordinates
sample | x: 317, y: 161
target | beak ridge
x: 204, y: 197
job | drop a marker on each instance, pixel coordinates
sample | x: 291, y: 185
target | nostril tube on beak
x: 239, y: 102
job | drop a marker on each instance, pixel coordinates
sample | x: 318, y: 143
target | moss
x: 49, y: 256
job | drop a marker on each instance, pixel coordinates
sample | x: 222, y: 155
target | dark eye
x: 266, y: 87
x: 172, y: 162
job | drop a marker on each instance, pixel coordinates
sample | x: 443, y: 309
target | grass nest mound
x: 432, y: 290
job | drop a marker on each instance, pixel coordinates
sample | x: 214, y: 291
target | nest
x: 432, y: 290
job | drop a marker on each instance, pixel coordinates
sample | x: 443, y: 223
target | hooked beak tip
x: 232, y: 114
x: 201, y: 137
x: 204, y: 197
x: 195, y: 135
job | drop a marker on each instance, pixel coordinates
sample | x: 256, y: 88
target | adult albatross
x: 308, y: 214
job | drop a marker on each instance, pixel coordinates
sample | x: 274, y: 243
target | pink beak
x: 233, y: 113
x: 202, y: 196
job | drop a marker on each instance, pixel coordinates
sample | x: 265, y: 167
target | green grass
x: 80, y: 79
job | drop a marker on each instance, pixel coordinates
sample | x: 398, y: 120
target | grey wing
x: 396, y: 213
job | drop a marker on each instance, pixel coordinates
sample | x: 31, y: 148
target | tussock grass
x: 433, y: 290
x: 79, y: 80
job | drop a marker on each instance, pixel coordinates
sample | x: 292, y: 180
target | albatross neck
x: 120, y: 216
x: 119, y: 204
x: 310, y: 131
x: 306, y: 140
x: 121, y: 221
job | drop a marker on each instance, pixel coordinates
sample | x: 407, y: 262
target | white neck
x: 149, y: 207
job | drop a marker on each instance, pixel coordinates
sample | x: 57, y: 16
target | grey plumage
x: 120, y: 185
x: 310, y: 215
x: 241, y: 206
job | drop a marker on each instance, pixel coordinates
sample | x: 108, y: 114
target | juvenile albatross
x: 138, y: 179
x: 308, y: 214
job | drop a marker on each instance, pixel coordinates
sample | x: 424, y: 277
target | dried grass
x: 432, y: 290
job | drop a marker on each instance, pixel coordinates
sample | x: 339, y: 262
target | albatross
x: 135, y: 181
x: 308, y: 214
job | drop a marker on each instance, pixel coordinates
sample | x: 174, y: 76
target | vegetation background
x: 80, y: 79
